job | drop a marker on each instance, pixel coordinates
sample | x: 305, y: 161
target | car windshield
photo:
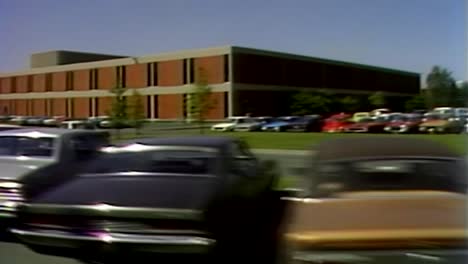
x: 26, y: 146
x: 160, y: 161
x: 366, y: 120
x: 333, y: 178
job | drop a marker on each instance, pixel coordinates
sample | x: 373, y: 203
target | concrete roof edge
x: 210, y: 51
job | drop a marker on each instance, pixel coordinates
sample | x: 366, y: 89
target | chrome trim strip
x: 114, y: 211
x: 139, y: 147
x: 152, y: 174
x: 119, y: 238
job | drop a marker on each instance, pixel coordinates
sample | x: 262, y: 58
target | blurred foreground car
x: 337, y: 123
x: 183, y: 195
x: 380, y: 200
x: 408, y: 123
x: 23, y: 151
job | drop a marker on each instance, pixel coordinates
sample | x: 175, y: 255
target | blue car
x: 297, y: 123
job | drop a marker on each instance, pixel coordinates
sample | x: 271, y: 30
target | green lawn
x: 301, y: 141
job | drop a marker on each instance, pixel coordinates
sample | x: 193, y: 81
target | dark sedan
x: 311, y: 123
x: 192, y: 195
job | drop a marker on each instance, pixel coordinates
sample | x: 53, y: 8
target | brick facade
x: 136, y: 76
x: 81, y: 80
x: 59, y: 81
x: 213, y: 68
x: 171, y: 73
x: 39, y: 83
x: 58, y: 107
x: 170, y: 106
x: 107, y: 78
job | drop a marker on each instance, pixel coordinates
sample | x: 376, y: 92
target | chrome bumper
x: 382, y: 256
x: 139, y: 242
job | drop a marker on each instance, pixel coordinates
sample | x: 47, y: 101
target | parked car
x: 312, y: 123
x: 403, y: 124
x: 23, y: 151
x: 77, y: 124
x: 360, y: 115
x: 4, y: 127
x: 35, y: 120
x: 380, y: 111
x: 54, y: 121
x: 18, y: 120
x: 440, y: 123
x: 337, y: 123
x: 230, y: 123
x: 199, y: 195
x: 253, y: 124
x: 379, y: 200
x: 368, y: 125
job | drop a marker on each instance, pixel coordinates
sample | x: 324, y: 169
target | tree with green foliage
x: 462, y: 97
x: 200, y: 100
x: 416, y: 102
x: 377, y: 99
x: 311, y: 102
x: 118, y: 112
x: 137, y: 113
x: 441, y: 88
x: 349, y: 103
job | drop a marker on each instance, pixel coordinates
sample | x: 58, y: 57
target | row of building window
x: 152, y: 78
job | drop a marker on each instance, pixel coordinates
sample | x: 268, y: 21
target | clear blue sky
x: 407, y: 34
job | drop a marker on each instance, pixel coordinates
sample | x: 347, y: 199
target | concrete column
x: 152, y: 106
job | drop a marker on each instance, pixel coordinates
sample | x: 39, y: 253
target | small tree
x: 377, y: 99
x: 118, y: 112
x: 311, y: 102
x: 349, y: 103
x: 416, y: 102
x: 441, y: 88
x: 136, y: 111
x: 200, y: 100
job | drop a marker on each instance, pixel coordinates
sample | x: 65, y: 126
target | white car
x: 231, y: 123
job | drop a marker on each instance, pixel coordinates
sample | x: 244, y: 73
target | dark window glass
x: 149, y: 76
x: 226, y: 68
x: 226, y: 104
x: 148, y: 106
x: 155, y: 74
x: 391, y: 174
x: 167, y: 161
x: 184, y: 70
x: 26, y: 146
x: 192, y: 70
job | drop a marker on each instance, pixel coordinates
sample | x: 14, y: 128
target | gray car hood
x: 11, y: 169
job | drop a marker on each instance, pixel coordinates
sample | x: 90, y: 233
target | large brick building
x: 243, y: 80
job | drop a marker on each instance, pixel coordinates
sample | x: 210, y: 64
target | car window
x: 167, y: 161
x: 26, y: 146
x: 335, y: 178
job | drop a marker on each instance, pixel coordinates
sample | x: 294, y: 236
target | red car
x: 404, y: 124
x: 337, y: 123
x: 368, y: 125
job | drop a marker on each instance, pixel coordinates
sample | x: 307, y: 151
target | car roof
x: 381, y: 147
x: 50, y: 131
x: 198, y: 141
